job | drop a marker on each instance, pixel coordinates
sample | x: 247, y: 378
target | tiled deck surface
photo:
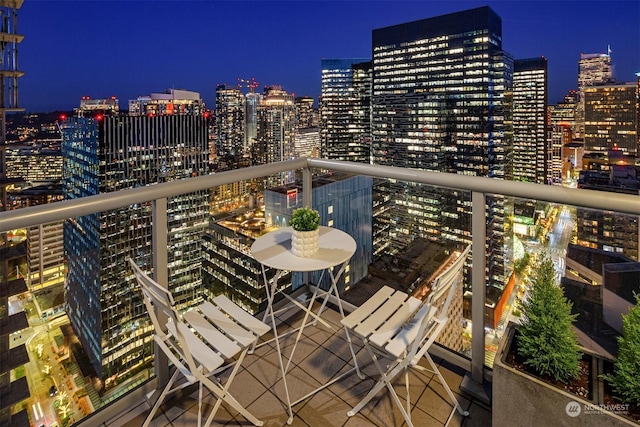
x: 320, y: 354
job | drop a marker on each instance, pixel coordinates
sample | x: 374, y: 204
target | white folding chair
x: 199, y: 342
x: 403, y: 328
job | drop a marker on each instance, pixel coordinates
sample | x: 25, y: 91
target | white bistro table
x: 274, y: 250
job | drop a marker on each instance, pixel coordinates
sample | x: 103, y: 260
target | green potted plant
x: 538, y: 360
x: 625, y: 379
x: 546, y: 340
x: 306, y: 232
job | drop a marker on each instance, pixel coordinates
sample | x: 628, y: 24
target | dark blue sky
x: 131, y: 48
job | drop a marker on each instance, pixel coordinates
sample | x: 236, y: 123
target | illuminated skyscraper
x: 593, y: 69
x: 531, y: 153
x: 345, y: 109
x: 305, y: 113
x: 276, y: 128
x: 230, y: 121
x: 108, y: 153
x: 251, y: 122
x: 437, y: 105
x: 610, y: 113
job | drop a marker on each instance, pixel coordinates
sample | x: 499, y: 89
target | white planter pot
x: 305, y: 243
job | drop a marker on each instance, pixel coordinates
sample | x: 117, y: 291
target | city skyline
x: 137, y: 50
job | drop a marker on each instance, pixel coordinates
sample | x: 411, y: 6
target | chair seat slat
x: 244, y: 318
x: 393, y: 325
x: 203, y: 354
x: 368, y: 307
x: 380, y: 316
x: 405, y: 337
x: 211, y: 334
x: 235, y: 331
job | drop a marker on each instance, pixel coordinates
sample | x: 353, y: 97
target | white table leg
x: 271, y: 290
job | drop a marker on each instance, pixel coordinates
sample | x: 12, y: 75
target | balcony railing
x: 479, y: 188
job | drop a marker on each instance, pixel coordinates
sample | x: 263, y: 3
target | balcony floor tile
x: 320, y: 354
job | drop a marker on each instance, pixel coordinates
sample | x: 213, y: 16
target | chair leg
x: 200, y: 404
x: 165, y: 391
x: 222, y: 393
x: 453, y: 398
x: 386, y: 377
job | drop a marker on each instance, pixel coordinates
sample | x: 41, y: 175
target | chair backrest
x: 431, y: 317
x: 160, y: 306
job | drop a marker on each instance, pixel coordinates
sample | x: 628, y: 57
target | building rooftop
x: 320, y: 354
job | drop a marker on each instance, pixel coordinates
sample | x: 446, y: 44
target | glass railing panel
x: 595, y: 254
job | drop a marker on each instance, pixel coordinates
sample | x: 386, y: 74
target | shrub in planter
x: 545, y: 339
x: 625, y: 379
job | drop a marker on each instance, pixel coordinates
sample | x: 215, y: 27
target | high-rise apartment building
x: 305, y: 113
x: 230, y: 121
x: 610, y: 113
x: 12, y: 248
x: 531, y: 151
x: 108, y: 153
x: 251, y: 119
x: 437, y: 105
x: 307, y: 142
x: 345, y: 109
x: 275, y: 131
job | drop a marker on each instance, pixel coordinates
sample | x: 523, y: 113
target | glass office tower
x: 610, y: 113
x: 345, y: 109
x: 110, y: 153
x: 437, y: 105
x: 531, y: 153
x: 593, y: 69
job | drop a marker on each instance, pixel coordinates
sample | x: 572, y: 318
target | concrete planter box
x: 520, y: 399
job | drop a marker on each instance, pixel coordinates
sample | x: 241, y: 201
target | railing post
x: 160, y: 275
x: 478, y: 288
x: 473, y: 384
x: 307, y: 186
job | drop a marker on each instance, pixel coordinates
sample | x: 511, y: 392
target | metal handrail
x: 20, y: 218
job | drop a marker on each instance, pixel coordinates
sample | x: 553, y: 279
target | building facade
x: 612, y: 171
x: 345, y: 101
x: 531, y: 152
x: 110, y: 153
x: 593, y: 69
x: 610, y: 114
x: 344, y: 202
x: 230, y: 121
x: 437, y: 105
x: 276, y: 128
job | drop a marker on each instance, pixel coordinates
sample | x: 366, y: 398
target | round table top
x: 274, y: 250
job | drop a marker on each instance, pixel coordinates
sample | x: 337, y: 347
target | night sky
x: 132, y: 48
